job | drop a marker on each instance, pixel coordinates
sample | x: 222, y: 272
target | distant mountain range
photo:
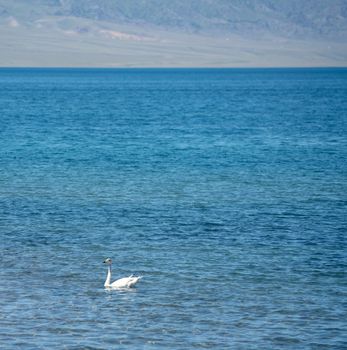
x: 173, y: 33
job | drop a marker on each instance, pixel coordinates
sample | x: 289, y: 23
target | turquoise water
x: 225, y: 189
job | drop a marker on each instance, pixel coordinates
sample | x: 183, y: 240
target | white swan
x: 126, y: 282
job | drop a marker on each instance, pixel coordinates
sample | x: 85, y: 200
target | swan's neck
x: 108, y: 278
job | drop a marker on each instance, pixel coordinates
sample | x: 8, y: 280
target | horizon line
x: 171, y: 67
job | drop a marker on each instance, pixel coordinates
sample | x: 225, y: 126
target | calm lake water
x: 225, y: 189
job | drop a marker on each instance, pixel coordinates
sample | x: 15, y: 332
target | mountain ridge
x: 175, y: 33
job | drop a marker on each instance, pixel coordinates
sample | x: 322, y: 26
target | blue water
x: 225, y: 189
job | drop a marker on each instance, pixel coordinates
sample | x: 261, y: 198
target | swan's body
x: 126, y: 282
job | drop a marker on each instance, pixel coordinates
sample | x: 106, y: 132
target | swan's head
x: 108, y: 261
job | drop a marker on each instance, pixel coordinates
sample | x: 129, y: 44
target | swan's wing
x: 133, y: 281
x: 126, y: 282
x: 121, y: 283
